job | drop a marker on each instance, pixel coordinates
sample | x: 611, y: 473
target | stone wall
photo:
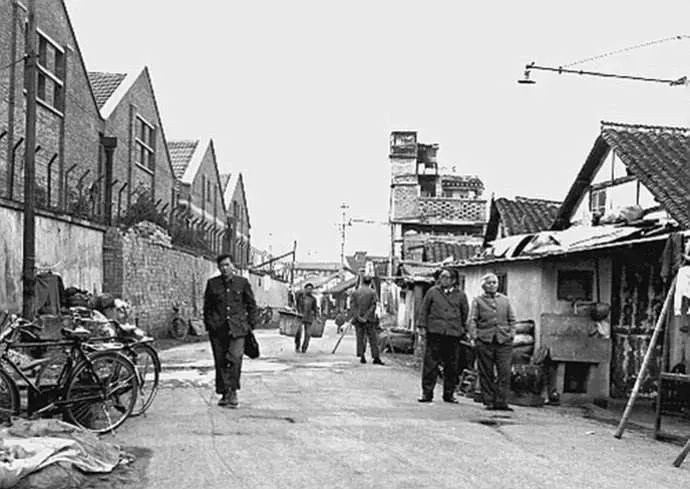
x: 268, y: 291
x: 141, y: 266
x: 71, y: 247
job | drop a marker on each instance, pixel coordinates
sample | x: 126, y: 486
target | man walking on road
x: 306, y: 306
x: 442, y: 321
x: 229, y: 315
x: 491, y: 324
x: 363, y: 314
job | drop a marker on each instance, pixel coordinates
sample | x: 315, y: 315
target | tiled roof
x: 104, y: 85
x: 438, y: 251
x: 317, y: 266
x: 359, y: 260
x: 180, y: 155
x: 525, y: 215
x: 658, y: 156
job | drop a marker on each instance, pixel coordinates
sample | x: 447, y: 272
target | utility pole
x: 343, y: 225
x: 29, y: 241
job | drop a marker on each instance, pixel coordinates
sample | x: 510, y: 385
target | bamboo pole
x: 645, y: 362
x: 682, y: 455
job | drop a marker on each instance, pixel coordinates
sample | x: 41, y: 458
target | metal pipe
x: 50, y: 179
x: 119, y: 199
x: 14, y: 154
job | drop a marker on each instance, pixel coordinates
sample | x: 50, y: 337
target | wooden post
x: 682, y: 455
x: 29, y: 239
x: 646, y: 360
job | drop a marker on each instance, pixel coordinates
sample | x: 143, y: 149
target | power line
x: 629, y: 48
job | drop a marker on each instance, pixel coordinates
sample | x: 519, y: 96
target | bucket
x: 289, y: 323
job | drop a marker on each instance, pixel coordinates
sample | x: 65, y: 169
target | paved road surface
x: 325, y: 421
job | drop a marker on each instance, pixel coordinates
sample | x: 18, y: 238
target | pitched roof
x: 318, y: 266
x: 438, y: 251
x: 181, y: 153
x: 519, y: 216
x: 225, y: 180
x: 656, y: 155
x: 104, y: 85
x: 359, y: 260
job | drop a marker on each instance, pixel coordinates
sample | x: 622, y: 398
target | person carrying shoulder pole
x: 306, y: 306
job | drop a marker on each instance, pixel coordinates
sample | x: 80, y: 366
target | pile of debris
x: 152, y: 232
x: 48, y: 453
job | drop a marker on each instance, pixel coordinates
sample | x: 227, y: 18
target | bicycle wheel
x: 9, y: 397
x: 148, y: 365
x: 101, y: 392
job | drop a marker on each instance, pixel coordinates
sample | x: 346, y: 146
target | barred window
x: 51, y: 74
x: 144, y: 144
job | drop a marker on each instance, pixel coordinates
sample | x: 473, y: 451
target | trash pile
x: 48, y: 453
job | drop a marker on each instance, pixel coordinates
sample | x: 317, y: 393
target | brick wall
x: 152, y: 276
x: 139, y: 101
x: 74, y: 135
x: 453, y: 209
x: 405, y: 201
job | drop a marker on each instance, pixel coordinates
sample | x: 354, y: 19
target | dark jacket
x: 306, y: 306
x: 492, y: 317
x: 363, y: 305
x: 443, y: 313
x: 229, y: 306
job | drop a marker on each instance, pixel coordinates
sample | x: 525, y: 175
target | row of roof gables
x: 185, y: 156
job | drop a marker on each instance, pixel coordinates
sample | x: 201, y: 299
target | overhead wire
x: 627, y: 49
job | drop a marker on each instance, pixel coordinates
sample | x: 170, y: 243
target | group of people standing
x: 445, y: 318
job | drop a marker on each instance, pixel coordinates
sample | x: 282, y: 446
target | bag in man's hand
x: 251, y: 346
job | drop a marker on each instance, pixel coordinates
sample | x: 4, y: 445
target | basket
x: 289, y: 323
x: 317, y: 328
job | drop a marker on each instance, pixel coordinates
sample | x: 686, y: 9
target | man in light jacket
x: 491, y: 327
x: 442, y: 321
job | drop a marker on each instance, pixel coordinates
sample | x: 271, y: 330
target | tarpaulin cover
x: 45, y: 442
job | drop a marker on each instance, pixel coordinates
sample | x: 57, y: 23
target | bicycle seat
x: 77, y: 333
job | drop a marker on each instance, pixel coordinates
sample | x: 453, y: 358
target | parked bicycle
x: 96, y: 388
x: 131, y: 341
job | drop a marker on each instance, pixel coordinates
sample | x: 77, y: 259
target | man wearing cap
x: 491, y: 327
x: 306, y: 306
x: 441, y: 321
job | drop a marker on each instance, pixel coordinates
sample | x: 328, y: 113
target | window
x: 51, y: 74
x: 575, y: 285
x: 597, y: 202
x: 208, y: 190
x: 144, y: 144
x: 502, y: 283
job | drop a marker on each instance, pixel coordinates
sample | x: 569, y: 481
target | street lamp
x: 526, y: 80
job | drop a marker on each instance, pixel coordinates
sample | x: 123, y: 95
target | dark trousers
x: 441, y: 350
x: 495, y: 384
x: 227, y: 357
x: 307, y: 337
x: 367, y: 331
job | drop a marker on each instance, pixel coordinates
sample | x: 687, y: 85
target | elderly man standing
x: 491, y: 326
x: 442, y: 321
x: 229, y: 315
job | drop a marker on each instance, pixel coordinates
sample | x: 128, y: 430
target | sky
x: 301, y: 96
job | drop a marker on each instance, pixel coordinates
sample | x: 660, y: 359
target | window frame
x: 587, y: 274
x: 44, y: 72
x: 140, y: 145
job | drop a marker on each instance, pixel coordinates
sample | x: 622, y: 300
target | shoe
x: 304, y: 350
x: 223, y: 400
x: 233, y: 402
x: 297, y: 349
x: 425, y: 399
x: 503, y: 407
x: 377, y: 361
x: 450, y: 399
x: 362, y: 359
